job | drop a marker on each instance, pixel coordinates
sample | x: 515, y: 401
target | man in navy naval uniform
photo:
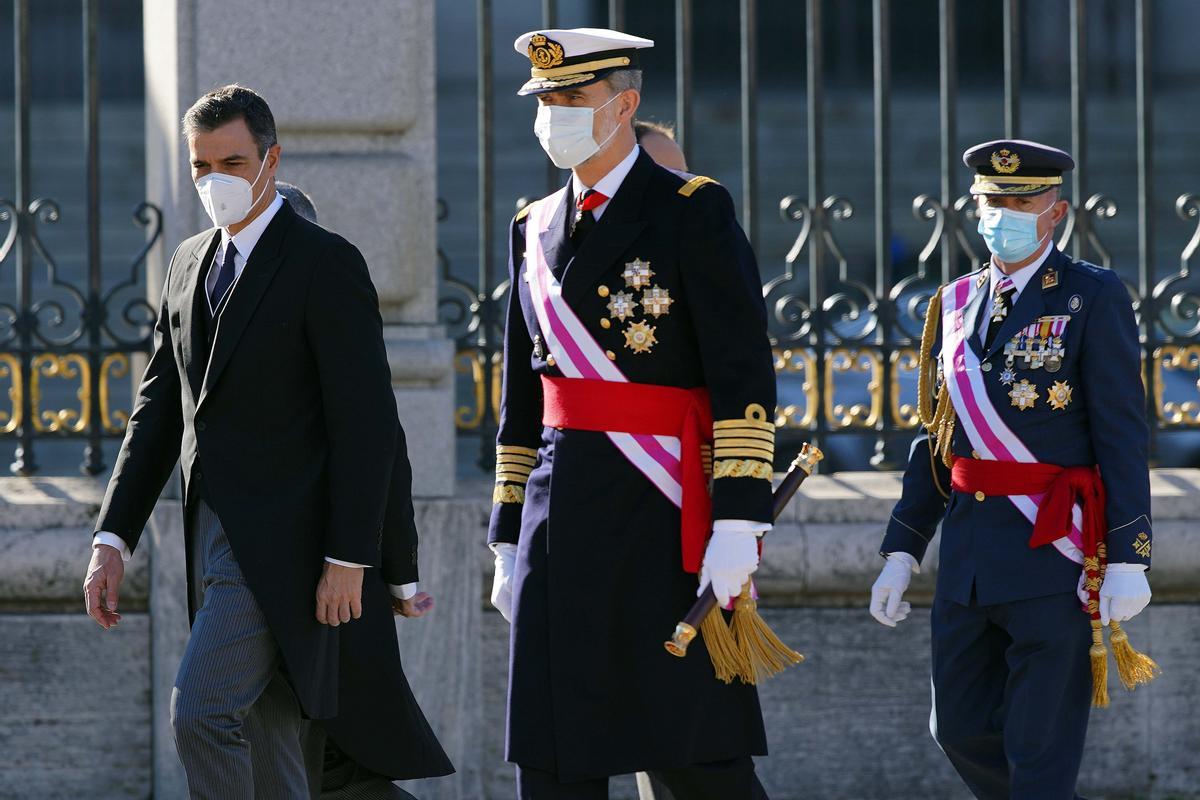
x: 1041, y: 407
x: 636, y: 369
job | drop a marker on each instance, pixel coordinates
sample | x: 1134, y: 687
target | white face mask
x: 228, y: 198
x: 565, y: 133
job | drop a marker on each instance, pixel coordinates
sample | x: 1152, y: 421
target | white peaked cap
x: 575, y: 57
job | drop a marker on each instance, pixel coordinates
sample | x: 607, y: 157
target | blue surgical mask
x: 1010, y: 235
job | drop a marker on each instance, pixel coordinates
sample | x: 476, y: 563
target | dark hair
x: 301, y: 203
x: 641, y: 127
x: 224, y: 105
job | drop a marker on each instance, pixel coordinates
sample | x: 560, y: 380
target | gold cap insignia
x: 1006, y: 162
x: 544, y: 53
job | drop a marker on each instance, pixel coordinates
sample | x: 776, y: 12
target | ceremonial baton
x: 800, y: 469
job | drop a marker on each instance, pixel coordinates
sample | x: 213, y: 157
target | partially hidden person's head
x: 658, y: 140
x: 234, y: 154
x: 298, y: 199
x: 588, y: 85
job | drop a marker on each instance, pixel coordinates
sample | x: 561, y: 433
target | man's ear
x: 273, y: 156
x: 630, y: 101
x: 1060, y: 211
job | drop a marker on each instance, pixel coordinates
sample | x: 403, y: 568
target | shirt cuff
x: 741, y: 526
x: 1122, y: 567
x: 112, y: 540
x: 346, y: 563
x: 406, y: 592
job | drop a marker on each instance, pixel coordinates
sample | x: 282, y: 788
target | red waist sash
x: 650, y: 410
x: 1061, y: 488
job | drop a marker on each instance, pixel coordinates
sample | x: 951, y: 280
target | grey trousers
x: 239, y: 729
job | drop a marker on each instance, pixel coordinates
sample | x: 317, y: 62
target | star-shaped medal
x: 1007, y: 376
x: 657, y: 301
x: 1024, y: 395
x: 621, y: 305
x: 1060, y: 395
x: 639, y: 337
x: 637, y: 274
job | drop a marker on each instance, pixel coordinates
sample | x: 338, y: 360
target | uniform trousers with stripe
x: 1012, y: 690
x: 719, y: 780
x: 238, y: 726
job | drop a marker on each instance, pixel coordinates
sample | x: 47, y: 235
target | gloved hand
x: 506, y: 559
x: 887, y: 604
x: 1125, y: 592
x: 729, y: 561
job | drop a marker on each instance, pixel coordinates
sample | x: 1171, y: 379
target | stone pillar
x: 352, y: 90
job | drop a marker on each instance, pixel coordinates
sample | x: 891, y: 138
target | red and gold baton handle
x: 801, y: 468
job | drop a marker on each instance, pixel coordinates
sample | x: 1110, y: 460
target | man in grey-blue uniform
x: 1036, y: 467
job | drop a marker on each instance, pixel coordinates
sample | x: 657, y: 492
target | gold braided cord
x: 742, y: 468
x: 925, y: 366
x: 507, y: 493
x: 512, y: 449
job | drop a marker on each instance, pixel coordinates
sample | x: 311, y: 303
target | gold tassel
x: 1134, y: 668
x: 1099, y: 656
x: 925, y: 366
x: 722, y: 649
x: 762, y: 652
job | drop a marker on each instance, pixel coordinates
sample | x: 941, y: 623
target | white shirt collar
x: 245, y: 239
x: 609, y: 184
x: 1021, y: 277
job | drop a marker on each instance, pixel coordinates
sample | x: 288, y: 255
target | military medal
x: 1007, y: 376
x: 657, y: 301
x: 1060, y: 395
x: 639, y: 337
x: 637, y: 274
x: 621, y: 305
x: 537, y: 345
x: 1024, y: 395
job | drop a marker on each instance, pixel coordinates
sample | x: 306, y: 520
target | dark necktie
x: 224, y: 277
x: 585, y: 220
x: 1001, y: 305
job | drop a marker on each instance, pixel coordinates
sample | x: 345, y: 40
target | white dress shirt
x: 608, y: 186
x: 1020, y: 280
x: 244, y: 240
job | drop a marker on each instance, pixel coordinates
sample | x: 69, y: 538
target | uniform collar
x: 610, y: 183
x: 245, y: 239
x: 1021, y: 277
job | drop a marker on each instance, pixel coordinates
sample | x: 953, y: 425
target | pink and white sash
x: 578, y: 355
x: 984, y: 426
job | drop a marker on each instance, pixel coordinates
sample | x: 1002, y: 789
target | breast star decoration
x: 1060, y: 395
x: 1024, y: 395
x: 621, y: 305
x: 639, y: 337
x: 657, y: 301
x: 637, y: 274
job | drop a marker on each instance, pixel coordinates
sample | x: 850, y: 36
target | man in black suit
x: 269, y: 382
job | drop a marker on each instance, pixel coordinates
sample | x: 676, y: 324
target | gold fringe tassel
x: 1099, y: 656
x: 763, y: 654
x: 726, y: 657
x: 1134, y: 668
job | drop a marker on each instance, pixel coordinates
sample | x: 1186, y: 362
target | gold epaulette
x: 513, y: 465
x: 689, y: 188
x: 744, y: 448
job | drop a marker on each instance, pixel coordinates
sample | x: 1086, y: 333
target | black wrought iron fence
x: 65, y: 346
x: 845, y: 343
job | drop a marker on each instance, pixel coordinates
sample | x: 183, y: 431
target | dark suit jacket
x: 289, y: 432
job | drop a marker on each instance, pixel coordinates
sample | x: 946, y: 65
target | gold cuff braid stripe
x: 508, y: 494
x: 745, y: 452
x: 520, y: 461
x: 512, y: 449
x: 742, y: 468
x: 514, y: 477
x: 725, y: 424
x: 730, y: 441
x: 754, y: 433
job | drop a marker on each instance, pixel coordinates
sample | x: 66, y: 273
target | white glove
x: 1125, y: 592
x: 729, y: 561
x: 887, y: 604
x: 506, y: 559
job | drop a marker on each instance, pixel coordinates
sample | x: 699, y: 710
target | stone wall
x: 83, y: 711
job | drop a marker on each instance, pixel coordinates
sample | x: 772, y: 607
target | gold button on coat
x: 611, y: 355
x: 602, y: 291
x: 604, y: 323
x: 550, y: 361
x: 979, y: 496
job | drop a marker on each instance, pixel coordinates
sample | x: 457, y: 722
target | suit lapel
x: 1031, y: 304
x: 245, y: 296
x: 556, y: 238
x: 192, y: 345
x: 614, y: 232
